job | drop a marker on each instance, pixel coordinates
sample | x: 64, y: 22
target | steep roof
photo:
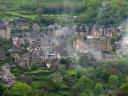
x: 2, y: 26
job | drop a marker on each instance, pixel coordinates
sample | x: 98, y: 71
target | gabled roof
x: 2, y: 26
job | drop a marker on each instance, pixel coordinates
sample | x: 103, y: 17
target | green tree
x: 112, y: 12
x: 90, y: 93
x: 99, y: 88
x: 2, y: 89
x: 21, y: 89
x: 91, y: 11
x: 124, y: 88
x: 114, y: 38
x: 84, y: 84
x: 113, y: 81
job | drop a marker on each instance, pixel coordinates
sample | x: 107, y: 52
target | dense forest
x: 88, y: 79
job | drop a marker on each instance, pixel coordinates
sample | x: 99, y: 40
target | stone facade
x: 6, y: 76
x: 5, y: 30
x: 62, y: 41
x: 97, y: 38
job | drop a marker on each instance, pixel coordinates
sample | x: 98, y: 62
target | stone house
x: 36, y: 28
x: 6, y: 76
x: 95, y: 37
x: 5, y: 30
x: 82, y: 30
x: 16, y: 41
x: 23, y: 60
x: 102, y: 44
x: 96, y: 32
x: 22, y: 24
x: 80, y: 45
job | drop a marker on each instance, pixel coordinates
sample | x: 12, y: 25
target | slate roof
x: 2, y: 26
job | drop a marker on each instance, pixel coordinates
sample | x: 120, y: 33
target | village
x: 46, y: 46
x: 63, y: 47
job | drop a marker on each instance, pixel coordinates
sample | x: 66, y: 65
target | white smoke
x: 96, y: 54
x: 124, y: 40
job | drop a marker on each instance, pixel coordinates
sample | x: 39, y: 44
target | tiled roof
x: 2, y: 26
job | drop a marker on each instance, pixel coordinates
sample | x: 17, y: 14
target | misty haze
x: 63, y: 47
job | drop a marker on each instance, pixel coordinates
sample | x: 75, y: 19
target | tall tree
x: 21, y: 89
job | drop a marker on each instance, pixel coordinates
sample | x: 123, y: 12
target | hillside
x: 32, y: 8
x: 88, y: 11
x: 63, y: 47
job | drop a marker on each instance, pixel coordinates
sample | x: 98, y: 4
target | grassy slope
x: 12, y: 8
